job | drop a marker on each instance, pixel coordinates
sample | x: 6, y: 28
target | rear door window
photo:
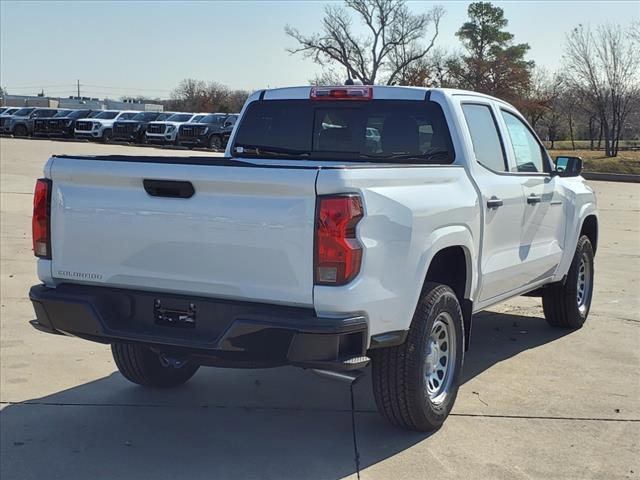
x: 384, y: 130
x: 484, y: 136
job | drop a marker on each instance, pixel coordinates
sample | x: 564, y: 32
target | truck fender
x: 438, y: 240
x: 574, y: 227
x: 445, y: 237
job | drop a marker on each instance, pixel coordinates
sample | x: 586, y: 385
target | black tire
x: 106, y: 136
x: 215, y: 142
x: 20, y: 131
x: 561, y: 302
x: 400, y: 385
x: 141, y: 365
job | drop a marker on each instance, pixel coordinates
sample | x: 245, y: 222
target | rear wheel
x: 566, y: 305
x: 215, y: 142
x: 141, y: 365
x: 415, y: 384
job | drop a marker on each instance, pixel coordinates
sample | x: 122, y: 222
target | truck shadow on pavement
x: 282, y: 423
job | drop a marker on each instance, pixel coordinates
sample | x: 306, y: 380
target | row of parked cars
x: 204, y: 130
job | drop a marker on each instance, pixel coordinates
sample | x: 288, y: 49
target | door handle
x: 494, y: 202
x: 533, y: 199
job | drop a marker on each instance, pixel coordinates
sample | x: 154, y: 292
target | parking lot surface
x: 536, y: 402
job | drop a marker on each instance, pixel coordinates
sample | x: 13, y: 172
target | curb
x: 612, y: 177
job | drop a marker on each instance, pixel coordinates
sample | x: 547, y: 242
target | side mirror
x: 568, y: 166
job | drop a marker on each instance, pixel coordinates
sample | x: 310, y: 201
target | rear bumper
x: 220, y: 332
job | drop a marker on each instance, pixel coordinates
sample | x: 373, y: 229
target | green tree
x: 492, y: 64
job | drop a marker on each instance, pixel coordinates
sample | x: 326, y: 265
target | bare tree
x: 199, y: 96
x: 329, y: 76
x: 634, y: 31
x: 603, y: 66
x: 569, y: 106
x: 554, y: 95
x: 432, y: 70
x: 438, y: 61
x: 392, y: 43
x: 538, y: 100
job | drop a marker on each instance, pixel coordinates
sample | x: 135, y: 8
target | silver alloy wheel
x: 439, y: 367
x: 583, y: 298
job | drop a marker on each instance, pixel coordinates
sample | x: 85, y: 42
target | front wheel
x: 566, y: 305
x: 215, y: 142
x: 106, y: 136
x: 141, y: 365
x: 415, y: 384
x: 20, y: 131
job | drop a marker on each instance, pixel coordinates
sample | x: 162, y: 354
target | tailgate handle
x: 168, y: 188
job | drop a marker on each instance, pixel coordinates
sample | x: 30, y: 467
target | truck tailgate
x: 246, y: 233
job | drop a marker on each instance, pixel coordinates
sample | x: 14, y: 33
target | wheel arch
x: 450, y: 266
x: 451, y: 263
x: 584, y: 222
x: 590, y: 229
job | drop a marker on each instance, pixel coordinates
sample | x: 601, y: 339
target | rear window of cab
x: 403, y: 131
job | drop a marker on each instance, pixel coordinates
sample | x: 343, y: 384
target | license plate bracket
x: 174, y: 317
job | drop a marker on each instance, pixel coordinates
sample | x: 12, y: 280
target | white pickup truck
x: 166, y: 131
x: 100, y: 126
x: 345, y: 225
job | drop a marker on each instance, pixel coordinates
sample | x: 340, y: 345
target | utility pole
x: 78, y: 89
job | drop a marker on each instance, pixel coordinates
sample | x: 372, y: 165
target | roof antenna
x: 349, y: 81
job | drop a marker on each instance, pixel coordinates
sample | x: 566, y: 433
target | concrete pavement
x: 536, y: 402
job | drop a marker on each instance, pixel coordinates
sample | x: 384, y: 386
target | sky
x: 146, y: 48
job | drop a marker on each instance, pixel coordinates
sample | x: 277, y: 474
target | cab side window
x: 484, y: 137
x: 526, y: 149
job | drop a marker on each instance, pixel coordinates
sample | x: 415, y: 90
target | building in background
x: 79, y: 102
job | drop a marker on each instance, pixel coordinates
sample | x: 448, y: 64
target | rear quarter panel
x: 411, y: 213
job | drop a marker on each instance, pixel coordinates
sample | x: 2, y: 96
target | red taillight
x: 338, y: 251
x: 41, y: 221
x: 358, y: 92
